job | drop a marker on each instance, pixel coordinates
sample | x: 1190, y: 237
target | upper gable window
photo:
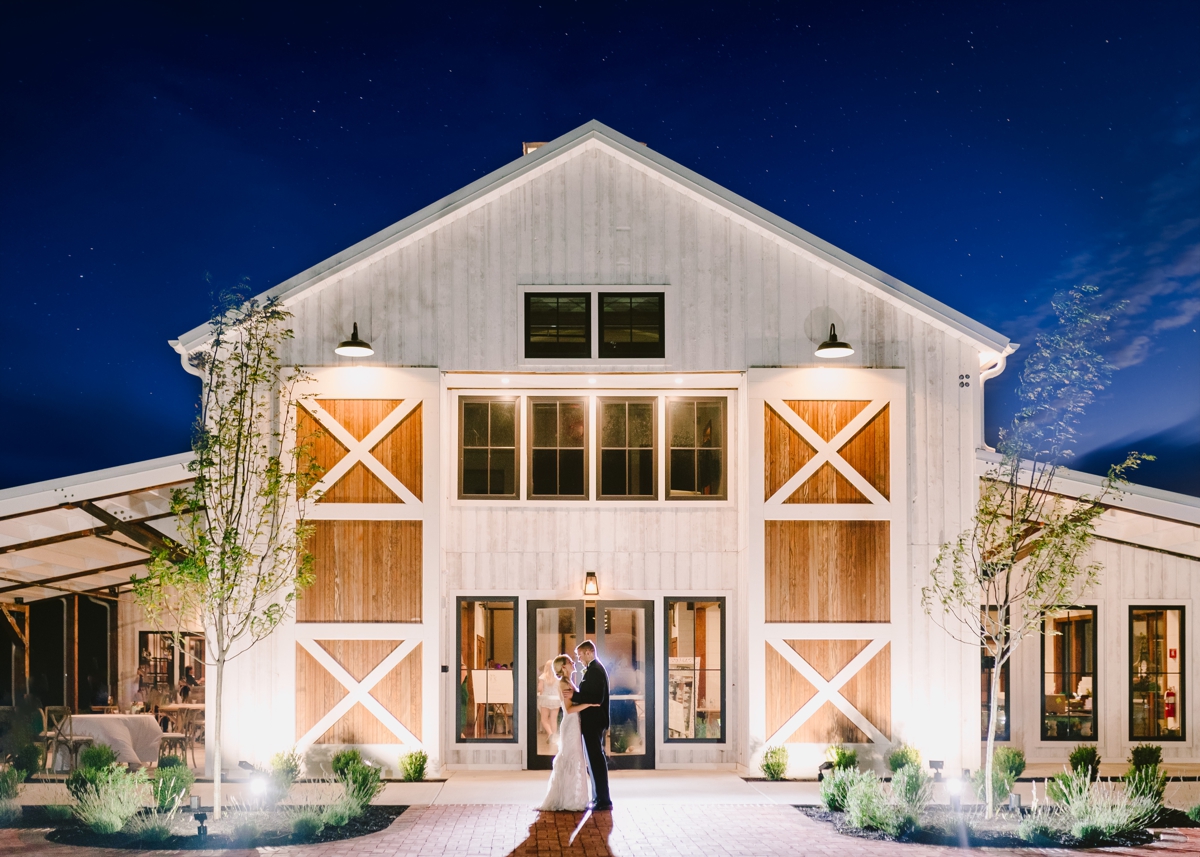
x: 558, y: 325
x: 631, y: 324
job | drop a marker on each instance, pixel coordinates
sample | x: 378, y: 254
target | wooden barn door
x: 828, y: 550
x: 362, y: 635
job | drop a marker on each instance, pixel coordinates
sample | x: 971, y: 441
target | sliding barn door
x: 363, y: 631
x: 827, y: 553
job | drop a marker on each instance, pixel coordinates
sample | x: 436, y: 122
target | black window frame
x: 1181, y: 702
x: 558, y: 351
x: 985, y: 702
x: 582, y: 400
x: 601, y: 401
x: 1094, y: 738
x: 668, y: 448
x: 515, y: 401
x: 459, y: 713
x: 692, y: 598
x: 632, y: 351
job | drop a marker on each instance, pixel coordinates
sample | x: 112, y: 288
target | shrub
x: 170, y: 762
x: 841, y: 758
x: 1097, y: 811
x: 245, y: 830
x: 1144, y: 755
x: 83, y: 781
x: 28, y: 758
x: 867, y: 807
x: 1194, y: 813
x: 912, y: 790
x: 10, y: 783
x: 343, y: 760
x: 1040, y: 831
x: 1085, y: 756
x: 836, y: 786
x: 339, y: 813
x: 97, y: 756
x: 307, y: 824
x: 58, y: 812
x: 1002, y: 783
x: 10, y: 812
x: 774, y: 763
x: 172, y: 784
x: 1146, y: 781
x: 902, y: 756
x: 110, y: 798
x: 363, y: 785
x: 1010, y: 760
x: 412, y: 766
x: 285, y: 770
x: 150, y: 827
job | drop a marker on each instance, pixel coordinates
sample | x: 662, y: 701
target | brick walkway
x: 639, y: 831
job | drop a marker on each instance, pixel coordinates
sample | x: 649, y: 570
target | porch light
x: 591, y: 586
x: 355, y: 347
x: 832, y: 347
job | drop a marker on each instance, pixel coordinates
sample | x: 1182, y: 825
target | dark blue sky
x: 987, y: 157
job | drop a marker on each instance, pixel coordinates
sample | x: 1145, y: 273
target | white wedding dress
x: 569, y: 788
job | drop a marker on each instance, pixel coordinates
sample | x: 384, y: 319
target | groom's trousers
x: 593, y: 743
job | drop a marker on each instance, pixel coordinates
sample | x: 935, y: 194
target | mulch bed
x: 373, y: 820
x: 942, y: 826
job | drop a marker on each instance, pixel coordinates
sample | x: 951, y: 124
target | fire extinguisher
x: 1169, y: 706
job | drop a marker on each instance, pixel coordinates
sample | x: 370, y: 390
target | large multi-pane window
x: 558, y: 460
x: 1003, y: 702
x: 696, y: 435
x: 487, y: 680
x: 631, y: 325
x: 627, y: 448
x: 1156, y: 673
x: 558, y: 325
x: 489, y: 448
x: 695, y: 645
x: 1069, y: 675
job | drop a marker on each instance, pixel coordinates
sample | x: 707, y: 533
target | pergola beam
x: 144, y: 536
x: 54, y: 540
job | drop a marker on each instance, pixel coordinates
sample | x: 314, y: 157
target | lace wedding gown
x: 568, y: 789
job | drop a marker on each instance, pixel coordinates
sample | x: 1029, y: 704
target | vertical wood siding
x: 827, y: 571
x: 366, y: 571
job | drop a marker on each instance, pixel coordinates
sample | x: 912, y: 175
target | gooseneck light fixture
x: 833, y: 347
x: 354, y: 347
x: 591, y: 586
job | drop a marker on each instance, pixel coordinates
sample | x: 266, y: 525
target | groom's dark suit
x: 593, y: 723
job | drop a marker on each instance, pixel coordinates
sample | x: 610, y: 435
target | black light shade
x: 354, y: 347
x: 832, y: 347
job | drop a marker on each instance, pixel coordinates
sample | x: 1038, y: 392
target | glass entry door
x: 623, y: 632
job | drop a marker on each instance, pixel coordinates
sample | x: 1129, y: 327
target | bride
x: 568, y: 789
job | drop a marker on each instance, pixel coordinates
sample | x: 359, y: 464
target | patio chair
x: 57, y: 730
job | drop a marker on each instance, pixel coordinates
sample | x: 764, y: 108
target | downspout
x: 184, y: 354
x: 991, y: 364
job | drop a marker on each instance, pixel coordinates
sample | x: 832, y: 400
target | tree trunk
x: 993, y: 707
x: 216, y: 739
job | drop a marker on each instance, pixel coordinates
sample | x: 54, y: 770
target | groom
x: 593, y: 722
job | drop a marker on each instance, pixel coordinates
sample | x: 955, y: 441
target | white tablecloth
x: 135, y: 737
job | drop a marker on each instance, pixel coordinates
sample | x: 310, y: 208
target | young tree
x: 241, y: 562
x: 1022, y: 556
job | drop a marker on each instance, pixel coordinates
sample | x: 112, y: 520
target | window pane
x: 1156, y: 681
x: 487, y: 643
x: 641, y: 425
x: 641, y: 473
x: 475, y: 471
x: 710, y: 420
x: 504, y: 471
x: 545, y: 424
x: 557, y: 325
x: 612, y: 433
x: 1068, y: 654
x: 683, y: 424
x: 708, y: 471
x: 571, y: 425
x: 570, y: 472
x: 475, y: 424
x: 683, y: 471
x: 631, y: 326
x: 694, y: 678
x: 504, y: 424
x: 612, y: 472
x: 545, y: 472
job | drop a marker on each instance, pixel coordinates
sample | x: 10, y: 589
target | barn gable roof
x: 543, y: 158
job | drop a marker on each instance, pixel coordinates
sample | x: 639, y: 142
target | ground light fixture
x: 833, y: 347
x: 354, y: 347
x: 954, y: 787
x: 591, y: 586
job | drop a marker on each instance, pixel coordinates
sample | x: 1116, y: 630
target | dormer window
x: 558, y: 325
x: 631, y: 325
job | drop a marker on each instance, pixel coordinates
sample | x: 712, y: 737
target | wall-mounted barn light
x: 591, y: 586
x: 833, y: 347
x: 354, y: 347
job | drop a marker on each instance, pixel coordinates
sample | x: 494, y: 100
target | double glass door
x: 623, y: 632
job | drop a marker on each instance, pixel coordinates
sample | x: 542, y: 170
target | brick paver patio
x: 636, y: 831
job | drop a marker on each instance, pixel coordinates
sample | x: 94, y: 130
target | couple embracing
x: 580, y: 757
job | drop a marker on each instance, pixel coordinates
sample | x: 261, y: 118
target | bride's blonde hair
x: 558, y: 664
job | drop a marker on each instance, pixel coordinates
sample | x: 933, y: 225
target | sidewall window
x: 1069, y: 692
x: 695, y: 674
x: 488, y: 439
x: 1156, y: 673
x: 697, y: 462
x: 487, y: 670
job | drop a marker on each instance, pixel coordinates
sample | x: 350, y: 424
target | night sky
x: 153, y: 155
